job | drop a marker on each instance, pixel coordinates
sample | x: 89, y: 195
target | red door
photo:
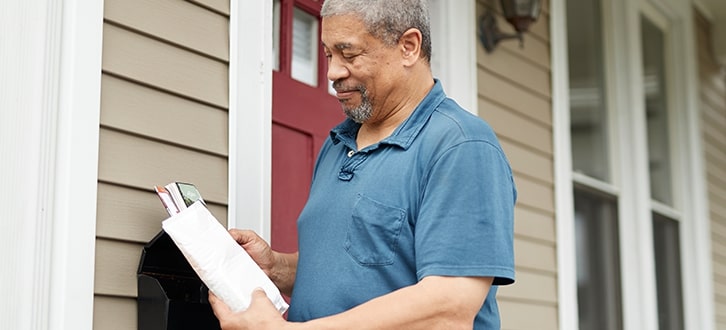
x: 303, y: 112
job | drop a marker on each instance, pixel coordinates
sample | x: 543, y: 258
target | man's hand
x: 261, y: 314
x: 279, y: 267
x: 256, y: 247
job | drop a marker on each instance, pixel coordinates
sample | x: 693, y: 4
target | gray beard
x: 362, y: 112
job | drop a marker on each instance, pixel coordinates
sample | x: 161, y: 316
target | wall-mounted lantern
x: 520, y: 13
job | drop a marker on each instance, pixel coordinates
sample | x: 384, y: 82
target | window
x: 595, y: 195
x: 624, y: 165
x: 598, y: 261
x: 666, y: 239
x: 666, y: 232
x: 305, y: 47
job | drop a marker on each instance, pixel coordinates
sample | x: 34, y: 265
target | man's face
x: 359, y: 65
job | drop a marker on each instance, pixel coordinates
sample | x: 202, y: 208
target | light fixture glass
x: 520, y: 13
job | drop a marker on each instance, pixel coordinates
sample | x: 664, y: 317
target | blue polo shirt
x: 434, y: 198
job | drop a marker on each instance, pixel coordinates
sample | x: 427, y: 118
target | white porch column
x: 50, y: 59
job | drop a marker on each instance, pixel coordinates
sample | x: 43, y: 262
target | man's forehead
x: 342, y: 39
x: 342, y: 25
x: 343, y: 45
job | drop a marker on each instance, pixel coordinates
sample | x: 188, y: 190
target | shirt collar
x: 405, y: 133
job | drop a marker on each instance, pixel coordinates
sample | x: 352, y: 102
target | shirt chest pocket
x: 373, y: 232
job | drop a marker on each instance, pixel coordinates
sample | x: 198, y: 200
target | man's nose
x: 336, y: 70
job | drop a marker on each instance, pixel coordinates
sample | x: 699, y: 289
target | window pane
x: 276, y: 35
x: 305, y: 47
x: 588, y: 116
x: 666, y: 241
x: 656, y: 106
x: 598, y: 262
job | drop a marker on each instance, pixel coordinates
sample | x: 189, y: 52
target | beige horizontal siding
x: 220, y: 6
x: 517, y: 128
x: 114, y: 313
x: 719, y: 268
x: 135, y: 215
x: 534, y: 49
x: 164, y: 118
x: 535, y: 255
x: 711, y: 97
x: 525, y: 315
x: 718, y: 245
x: 534, y: 224
x: 137, y: 162
x: 117, y: 263
x: 174, y: 21
x: 537, y: 287
x: 527, y: 161
x: 713, y: 125
x: 532, y: 77
x: 719, y: 228
x: 717, y: 211
x: 164, y: 66
x: 515, y: 99
x: 535, y: 195
x: 510, y: 95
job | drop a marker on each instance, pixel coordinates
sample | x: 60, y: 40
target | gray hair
x: 387, y: 20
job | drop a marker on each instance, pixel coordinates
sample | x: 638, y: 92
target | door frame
x: 250, y: 142
x: 250, y: 116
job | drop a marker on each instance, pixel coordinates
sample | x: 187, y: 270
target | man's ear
x: 410, y: 44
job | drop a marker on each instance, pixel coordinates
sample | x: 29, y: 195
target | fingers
x: 218, y: 306
x: 221, y: 309
x: 259, y: 297
x: 258, y: 293
x: 243, y: 236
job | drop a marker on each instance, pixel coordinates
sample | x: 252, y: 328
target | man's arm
x: 283, y: 274
x: 434, y: 303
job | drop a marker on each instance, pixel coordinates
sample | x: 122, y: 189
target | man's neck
x: 374, y: 131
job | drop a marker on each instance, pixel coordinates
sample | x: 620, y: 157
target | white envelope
x: 221, y: 263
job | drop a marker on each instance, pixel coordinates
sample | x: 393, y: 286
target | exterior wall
x: 713, y: 124
x: 164, y: 117
x: 515, y: 98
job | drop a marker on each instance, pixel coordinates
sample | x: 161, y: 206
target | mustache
x: 339, y: 86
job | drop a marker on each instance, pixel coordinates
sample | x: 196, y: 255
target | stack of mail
x: 221, y: 263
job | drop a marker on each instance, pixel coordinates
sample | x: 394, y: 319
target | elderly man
x: 409, y: 223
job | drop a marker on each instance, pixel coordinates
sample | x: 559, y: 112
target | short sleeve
x: 465, y: 226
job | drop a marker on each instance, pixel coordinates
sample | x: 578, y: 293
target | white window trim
x: 696, y: 230
x: 688, y: 166
x: 56, y: 92
x: 564, y: 199
x: 638, y: 289
x: 250, y: 116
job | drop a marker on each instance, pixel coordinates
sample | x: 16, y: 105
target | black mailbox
x: 170, y: 294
